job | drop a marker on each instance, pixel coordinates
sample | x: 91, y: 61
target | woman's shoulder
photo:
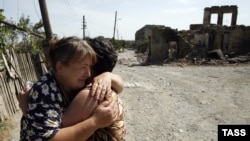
x: 46, y: 87
x: 46, y: 79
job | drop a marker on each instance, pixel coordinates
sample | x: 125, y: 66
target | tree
x: 28, y: 42
x: 3, y: 32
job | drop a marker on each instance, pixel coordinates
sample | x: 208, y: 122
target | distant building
x: 164, y: 43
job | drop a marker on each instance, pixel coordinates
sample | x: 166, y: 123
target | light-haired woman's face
x: 75, y: 74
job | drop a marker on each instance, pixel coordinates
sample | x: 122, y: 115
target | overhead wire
x: 71, y: 10
x: 3, y: 4
x: 38, y: 15
x: 17, y: 10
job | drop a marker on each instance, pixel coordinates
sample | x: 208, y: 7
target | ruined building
x: 200, y: 41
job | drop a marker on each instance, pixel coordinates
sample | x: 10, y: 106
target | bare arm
x: 80, y: 108
x: 107, y: 80
x: 117, y: 83
x: 104, y: 115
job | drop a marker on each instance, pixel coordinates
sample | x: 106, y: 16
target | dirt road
x: 170, y: 103
x: 165, y: 103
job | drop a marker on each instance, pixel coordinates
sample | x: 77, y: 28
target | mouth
x: 82, y: 81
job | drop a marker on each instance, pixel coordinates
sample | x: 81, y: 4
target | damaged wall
x: 162, y: 42
x: 166, y: 43
x: 220, y: 11
x: 158, y: 48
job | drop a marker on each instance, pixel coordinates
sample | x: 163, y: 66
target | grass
x: 1, y: 64
x: 4, y: 128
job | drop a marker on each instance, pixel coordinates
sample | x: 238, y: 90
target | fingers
x: 105, y: 93
x: 109, y: 94
x: 101, y: 85
x: 113, y: 107
x: 93, y: 89
x: 100, y: 91
x: 107, y: 112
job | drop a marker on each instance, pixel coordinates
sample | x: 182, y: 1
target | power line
x: 17, y: 10
x: 38, y: 15
x: 71, y: 9
x: 3, y: 4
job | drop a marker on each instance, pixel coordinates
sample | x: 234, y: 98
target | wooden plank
x: 12, y: 95
x: 3, y: 112
x: 42, y: 60
x: 31, y: 68
x: 15, y: 62
x: 19, y: 88
x: 27, y: 67
x: 9, y: 95
x: 21, y: 66
x: 5, y: 98
x: 13, y: 86
x: 7, y: 66
x: 7, y: 78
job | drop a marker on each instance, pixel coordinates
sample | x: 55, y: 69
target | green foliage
x: 142, y: 46
x: 121, y: 44
x: 24, y: 23
x: 118, y: 44
x: 2, y: 33
x: 37, y: 27
x: 2, y: 17
x: 19, y: 40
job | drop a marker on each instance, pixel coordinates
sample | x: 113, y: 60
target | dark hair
x: 106, y: 54
x: 69, y: 49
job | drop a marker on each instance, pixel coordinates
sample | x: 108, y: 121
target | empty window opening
x: 214, y: 18
x: 227, y: 18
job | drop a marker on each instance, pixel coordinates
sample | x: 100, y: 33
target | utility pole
x: 115, y: 25
x: 45, y: 18
x: 83, y: 26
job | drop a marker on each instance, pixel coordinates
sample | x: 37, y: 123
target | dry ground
x: 171, y: 103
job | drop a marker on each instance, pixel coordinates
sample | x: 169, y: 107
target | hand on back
x: 107, y: 112
x: 101, y: 86
x: 22, y: 98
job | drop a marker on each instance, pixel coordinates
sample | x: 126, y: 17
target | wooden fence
x: 18, y: 68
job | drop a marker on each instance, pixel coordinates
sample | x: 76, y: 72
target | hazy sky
x: 66, y: 16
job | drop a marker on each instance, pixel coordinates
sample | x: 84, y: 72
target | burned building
x: 200, y: 41
x: 158, y: 41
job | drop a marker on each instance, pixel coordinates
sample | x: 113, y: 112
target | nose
x: 87, y: 73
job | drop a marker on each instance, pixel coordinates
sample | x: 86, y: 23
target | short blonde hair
x: 68, y: 50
